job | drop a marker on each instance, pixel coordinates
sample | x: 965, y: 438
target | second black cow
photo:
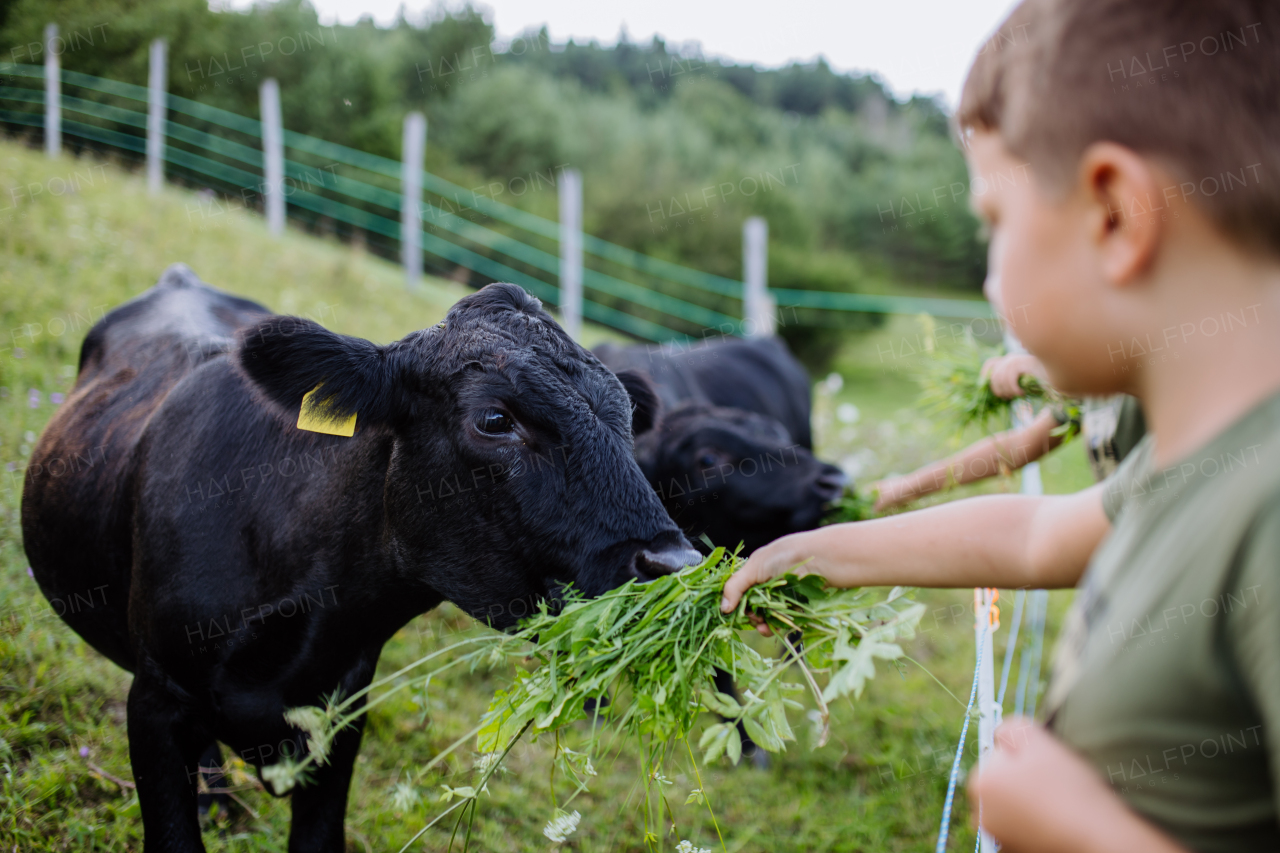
x: 732, y: 456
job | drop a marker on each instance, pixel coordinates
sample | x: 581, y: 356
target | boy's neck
x: 1191, y: 393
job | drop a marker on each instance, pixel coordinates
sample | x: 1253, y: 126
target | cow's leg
x: 214, y: 781
x: 165, y: 743
x: 319, y: 808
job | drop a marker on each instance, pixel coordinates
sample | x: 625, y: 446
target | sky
x: 915, y: 46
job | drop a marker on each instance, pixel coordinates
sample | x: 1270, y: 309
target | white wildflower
x: 687, y: 847
x: 561, y: 826
x: 486, y: 761
x: 404, y: 796
x: 281, y: 776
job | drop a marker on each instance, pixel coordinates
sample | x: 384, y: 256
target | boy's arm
x: 1004, y: 541
x: 1008, y: 451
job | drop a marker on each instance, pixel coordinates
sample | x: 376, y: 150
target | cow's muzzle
x: 830, y: 484
x: 652, y: 563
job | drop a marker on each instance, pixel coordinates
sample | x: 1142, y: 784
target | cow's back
x: 758, y: 375
x: 78, y: 495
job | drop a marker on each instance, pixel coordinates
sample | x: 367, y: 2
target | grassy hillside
x: 65, y: 258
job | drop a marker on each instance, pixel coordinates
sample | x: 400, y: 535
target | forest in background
x: 862, y: 192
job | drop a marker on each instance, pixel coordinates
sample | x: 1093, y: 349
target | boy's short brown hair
x: 1192, y: 84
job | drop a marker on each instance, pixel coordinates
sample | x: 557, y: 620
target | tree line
x: 862, y: 192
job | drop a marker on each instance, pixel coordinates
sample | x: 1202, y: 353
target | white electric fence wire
x: 944, y: 827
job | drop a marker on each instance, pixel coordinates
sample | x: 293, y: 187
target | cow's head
x: 735, y: 476
x: 508, y: 450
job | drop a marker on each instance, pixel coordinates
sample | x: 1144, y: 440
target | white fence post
x: 757, y: 304
x: 412, y: 150
x: 157, y: 86
x: 570, y: 189
x: 984, y: 638
x: 52, y: 93
x: 272, y: 155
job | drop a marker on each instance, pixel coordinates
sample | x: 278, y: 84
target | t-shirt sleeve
x: 1255, y: 626
x: 1117, y: 488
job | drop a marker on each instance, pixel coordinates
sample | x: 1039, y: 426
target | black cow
x: 732, y: 456
x: 245, y: 565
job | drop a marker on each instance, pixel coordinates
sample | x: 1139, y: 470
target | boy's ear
x: 1124, y: 190
x: 645, y: 405
x: 287, y: 357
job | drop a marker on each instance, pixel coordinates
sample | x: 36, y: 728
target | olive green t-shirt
x: 1167, y: 676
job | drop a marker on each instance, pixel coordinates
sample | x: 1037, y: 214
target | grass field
x: 64, y: 769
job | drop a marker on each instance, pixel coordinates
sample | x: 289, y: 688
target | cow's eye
x: 708, y: 458
x: 495, y: 422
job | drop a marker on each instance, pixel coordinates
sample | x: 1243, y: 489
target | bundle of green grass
x: 953, y: 386
x: 640, y: 662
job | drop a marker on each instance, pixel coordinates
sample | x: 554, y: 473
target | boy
x: 1114, y: 255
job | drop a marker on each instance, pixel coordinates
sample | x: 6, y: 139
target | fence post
x: 570, y: 189
x: 984, y: 641
x: 757, y: 304
x: 52, y: 93
x: 413, y: 148
x: 157, y: 86
x: 272, y: 155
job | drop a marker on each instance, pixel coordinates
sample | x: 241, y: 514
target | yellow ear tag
x: 311, y: 420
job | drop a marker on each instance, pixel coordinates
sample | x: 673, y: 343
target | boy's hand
x: 775, y: 559
x: 1037, y: 794
x: 1004, y: 371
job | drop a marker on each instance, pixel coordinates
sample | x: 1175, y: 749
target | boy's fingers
x: 1006, y: 386
x: 742, y: 580
x: 1015, y: 733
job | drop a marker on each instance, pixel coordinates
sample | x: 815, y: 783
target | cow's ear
x: 287, y: 357
x: 645, y: 405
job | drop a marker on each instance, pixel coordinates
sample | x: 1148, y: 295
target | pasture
x: 65, y: 778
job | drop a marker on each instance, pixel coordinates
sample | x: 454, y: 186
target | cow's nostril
x: 830, y: 483
x: 650, y: 564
